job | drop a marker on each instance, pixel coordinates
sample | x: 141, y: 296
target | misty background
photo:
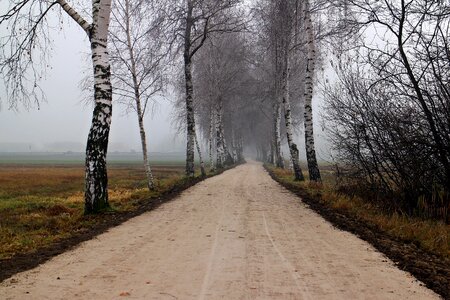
x: 61, y: 122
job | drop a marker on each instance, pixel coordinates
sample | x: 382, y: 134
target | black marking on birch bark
x: 202, y: 164
x: 278, y: 158
x: 211, y: 131
x: 284, y: 90
x: 219, y: 139
x: 190, y: 130
x: 190, y: 119
x: 314, y: 173
x: 96, y: 186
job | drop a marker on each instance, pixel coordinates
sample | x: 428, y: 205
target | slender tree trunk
x: 288, y: 119
x: 264, y: 154
x: 233, y: 147
x: 313, y: 168
x: 220, y: 157
x: 228, y: 158
x: 240, y: 148
x: 76, y: 16
x: 148, y: 170
x: 272, y: 151
x: 189, y: 93
x: 276, y: 143
x: 96, y: 185
x: 190, y: 121
x: 223, y: 155
x: 137, y: 97
x: 278, y: 158
x: 202, y: 164
x: 211, y: 138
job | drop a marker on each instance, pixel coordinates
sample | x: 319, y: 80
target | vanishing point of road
x: 238, y: 235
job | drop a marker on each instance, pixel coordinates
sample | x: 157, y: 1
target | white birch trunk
x: 211, y: 137
x: 234, y: 147
x: 314, y: 173
x: 202, y: 164
x: 96, y: 177
x: 277, y: 157
x: 96, y: 188
x: 137, y: 97
x: 190, y: 121
x: 293, y: 149
x: 75, y: 16
x: 227, y: 157
x: 291, y: 166
x: 240, y: 153
x: 148, y: 170
x: 190, y: 171
x: 220, y: 156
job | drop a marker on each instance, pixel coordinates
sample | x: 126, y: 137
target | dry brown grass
x: 42, y: 204
x: 433, y: 236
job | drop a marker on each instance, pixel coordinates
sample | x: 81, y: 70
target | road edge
x: 429, y: 268
x: 24, y: 262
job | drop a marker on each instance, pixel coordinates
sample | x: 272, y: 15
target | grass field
x: 77, y: 158
x: 433, y: 236
x: 41, y: 201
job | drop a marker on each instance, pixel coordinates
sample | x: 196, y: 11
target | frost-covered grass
x: 433, y: 236
x: 40, y: 204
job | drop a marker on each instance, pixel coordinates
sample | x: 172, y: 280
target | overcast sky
x: 63, y: 122
x: 65, y: 119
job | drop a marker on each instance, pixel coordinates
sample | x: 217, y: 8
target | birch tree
x: 280, y: 25
x: 313, y: 168
x: 211, y: 138
x: 277, y: 157
x: 292, y: 42
x: 28, y: 35
x: 139, y: 61
x: 260, y: 112
x: 284, y: 29
x: 269, y: 19
x: 220, y: 76
x: 201, y: 19
x: 200, y: 157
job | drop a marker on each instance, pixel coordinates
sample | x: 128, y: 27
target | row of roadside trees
x: 135, y: 46
x: 245, y: 75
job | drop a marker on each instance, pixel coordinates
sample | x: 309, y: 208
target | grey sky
x: 62, y: 123
x: 63, y: 118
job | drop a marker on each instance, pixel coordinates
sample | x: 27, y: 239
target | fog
x: 61, y: 122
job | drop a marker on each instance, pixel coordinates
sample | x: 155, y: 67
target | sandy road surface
x: 234, y: 236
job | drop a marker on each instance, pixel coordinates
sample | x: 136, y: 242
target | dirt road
x: 238, y: 235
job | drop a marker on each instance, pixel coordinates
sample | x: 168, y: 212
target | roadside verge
x: 431, y: 269
x: 103, y: 222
